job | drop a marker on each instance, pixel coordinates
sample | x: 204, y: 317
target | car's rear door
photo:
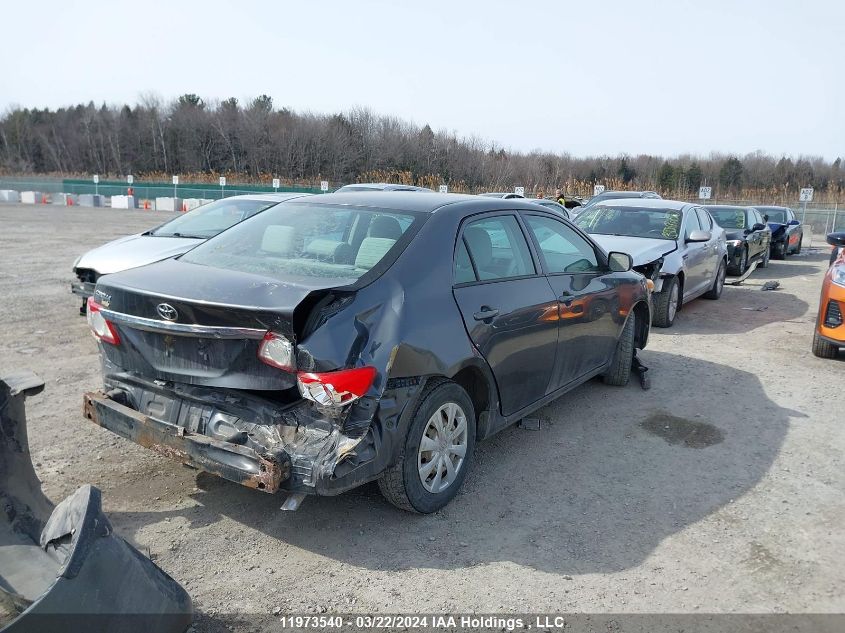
x: 712, y: 253
x: 508, y: 307
x: 590, y: 321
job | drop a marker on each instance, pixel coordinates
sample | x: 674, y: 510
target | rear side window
x: 495, y: 248
x: 307, y: 240
x: 564, y: 251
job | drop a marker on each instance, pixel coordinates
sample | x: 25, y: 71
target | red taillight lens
x: 275, y: 350
x: 336, y: 388
x: 102, y: 329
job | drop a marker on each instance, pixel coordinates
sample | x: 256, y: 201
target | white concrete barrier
x: 123, y: 202
x: 90, y: 200
x: 63, y: 199
x: 31, y: 197
x: 9, y: 195
x: 189, y: 204
x: 168, y: 204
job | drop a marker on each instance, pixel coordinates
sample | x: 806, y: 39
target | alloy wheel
x: 673, y: 302
x: 443, y: 448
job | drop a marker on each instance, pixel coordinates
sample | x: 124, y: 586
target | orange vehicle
x: 829, y: 337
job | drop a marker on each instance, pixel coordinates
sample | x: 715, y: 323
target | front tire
x: 666, y: 303
x: 764, y: 263
x: 743, y: 262
x: 619, y: 371
x: 718, y: 284
x: 437, y: 453
x: 823, y: 348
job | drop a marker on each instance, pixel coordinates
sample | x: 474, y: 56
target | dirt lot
x: 720, y: 490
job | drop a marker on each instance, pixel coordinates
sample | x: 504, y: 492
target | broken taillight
x: 277, y: 351
x: 102, y: 329
x: 336, y: 388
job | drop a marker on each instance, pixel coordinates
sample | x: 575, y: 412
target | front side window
x: 212, y: 218
x: 564, y: 251
x: 496, y: 249
x: 704, y: 219
x: 691, y: 223
x: 304, y: 240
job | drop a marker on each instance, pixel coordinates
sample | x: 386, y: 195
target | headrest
x: 385, y: 226
x: 480, y: 246
x: 371, y: 251
x: 278, y: 239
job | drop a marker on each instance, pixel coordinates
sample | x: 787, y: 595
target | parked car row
x: 309, y: 344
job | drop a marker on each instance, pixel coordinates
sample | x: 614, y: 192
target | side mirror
x: 620, y: 262
x: 758, y: 227
x: 793, y: 223
x: 699, y: 236
x: 836, y: 239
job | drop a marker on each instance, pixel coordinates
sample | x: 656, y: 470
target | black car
x: 787, y: 231
x: 361, y: 336
x: 747, y: 234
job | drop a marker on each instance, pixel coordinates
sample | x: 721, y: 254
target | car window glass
x: 691, y: 222
x: 704, y: 219
x: 464, y: 272
x: 564, y: 251
x: 498, y: 248
x: 212, y: 218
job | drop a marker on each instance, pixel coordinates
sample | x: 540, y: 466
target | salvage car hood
x: 642, y: 249
x: 133, y: 251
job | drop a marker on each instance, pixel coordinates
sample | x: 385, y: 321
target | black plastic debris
x: 62, y: 568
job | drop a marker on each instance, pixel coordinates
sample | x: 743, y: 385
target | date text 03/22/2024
x: 423, y: 621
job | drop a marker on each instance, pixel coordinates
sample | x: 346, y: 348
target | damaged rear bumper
x: 230, y: 461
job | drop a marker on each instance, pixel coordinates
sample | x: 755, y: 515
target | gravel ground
x: 719, y: 490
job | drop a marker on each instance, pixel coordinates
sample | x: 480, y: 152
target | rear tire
x: 798, y: 248
x: 666, y: 303
x: 402, y: 484
x: 620, y: 367
x: 780, y: 250
x: 718, y: 284
x: 823, y: 348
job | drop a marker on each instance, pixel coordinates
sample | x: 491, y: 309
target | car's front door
x: 508, y: 307
x: 694, y: 255
x: 590, y: 320
x: 758, y: 240
x: 713, y: 256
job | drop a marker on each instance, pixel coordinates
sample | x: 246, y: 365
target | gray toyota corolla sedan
x: 172, y: 238
x: 351, y: 337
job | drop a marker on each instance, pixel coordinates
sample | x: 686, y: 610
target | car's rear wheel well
x: 472, y: 380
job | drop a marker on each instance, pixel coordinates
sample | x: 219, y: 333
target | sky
x: 589, y: 78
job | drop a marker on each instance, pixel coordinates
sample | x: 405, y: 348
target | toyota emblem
x: 167, y: 311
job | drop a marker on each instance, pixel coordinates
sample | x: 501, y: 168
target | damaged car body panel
x: 63, y: 568
x: 314, y: 354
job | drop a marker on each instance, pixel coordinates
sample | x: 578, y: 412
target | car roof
x: 730, y: 206
x: 380, y: 186
x: 646, y: 203
x: 412, y: 201
x: 772, y: 206
x: 270, y: 197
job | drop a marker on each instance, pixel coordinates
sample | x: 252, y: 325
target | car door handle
x: 485, y: 313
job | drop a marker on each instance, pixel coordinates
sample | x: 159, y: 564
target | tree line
x: 255, y: 141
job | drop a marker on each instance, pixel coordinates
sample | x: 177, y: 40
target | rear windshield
x: 212, y: 218
x: 606, y: 219
x: 730, y: 218
x: 296, y: 240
